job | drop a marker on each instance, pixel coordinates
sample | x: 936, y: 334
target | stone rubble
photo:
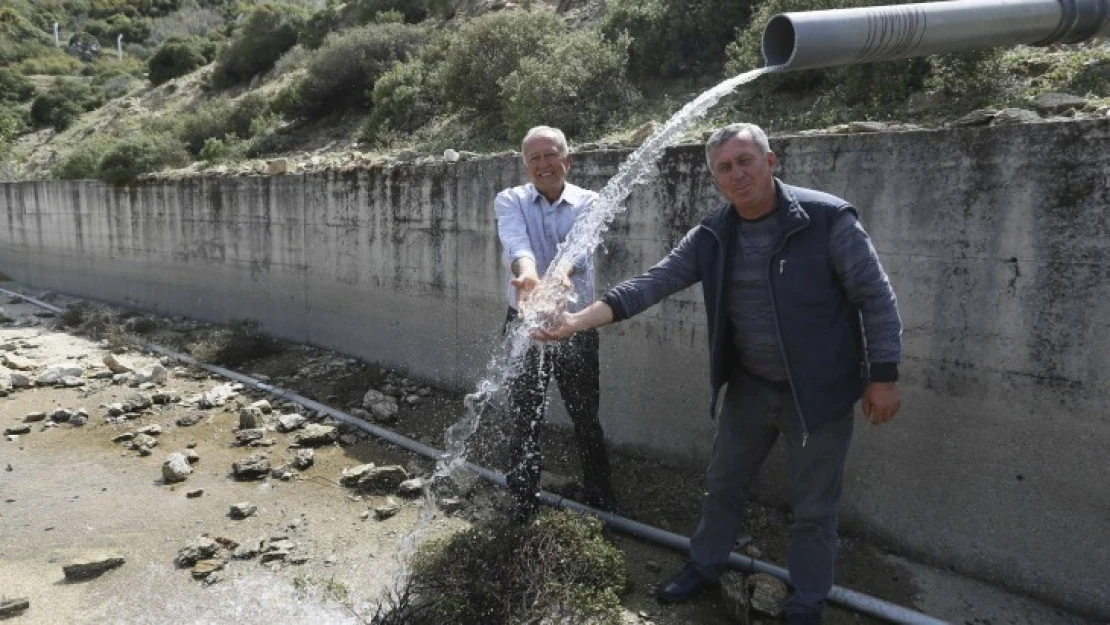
x: 176, y: 468
x: 316, y: 435
x: 253, y: 467
x: 90, y: 566
x: 242, y: 510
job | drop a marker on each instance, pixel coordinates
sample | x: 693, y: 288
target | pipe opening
x: 779, y: 41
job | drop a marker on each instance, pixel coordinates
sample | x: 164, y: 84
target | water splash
x: 553, y: 292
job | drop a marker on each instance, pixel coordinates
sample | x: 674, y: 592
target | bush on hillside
x: 66, y: 100
x: 245, y: 113
x: 143, y: 153
x: 403, y: 100
x: 83, y: 161
x: 267, y: 32
x: 13, y: 122
x: 133, y: 30
x: 48, y: 62
x: 366, y: 11
x: 343, y: 71
x: 179, y: 56
x: 340, y: 16
x: 676, y: 38
x: 575, y: 85
x: 209, y: 119
x: 486, y: 50
x: 15, y: 87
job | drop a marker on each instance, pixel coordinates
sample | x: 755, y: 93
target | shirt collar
x: 571, y: 195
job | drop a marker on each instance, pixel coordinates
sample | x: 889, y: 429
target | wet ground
x: 71, y: 490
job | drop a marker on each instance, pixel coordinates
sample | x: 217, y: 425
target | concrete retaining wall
x: 997, y: 241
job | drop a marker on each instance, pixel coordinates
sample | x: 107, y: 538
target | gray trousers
x: 752, y: 418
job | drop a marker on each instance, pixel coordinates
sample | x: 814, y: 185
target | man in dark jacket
x: 788, y: 274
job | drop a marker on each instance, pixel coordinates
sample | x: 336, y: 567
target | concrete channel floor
x: 70, y: 490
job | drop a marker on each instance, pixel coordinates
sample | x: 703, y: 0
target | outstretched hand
x: 558, y: 328
x: 525, y: 284
x: 881, y: 401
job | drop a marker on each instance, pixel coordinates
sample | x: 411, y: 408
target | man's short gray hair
x: 730, y: 131
x: 547, y: 132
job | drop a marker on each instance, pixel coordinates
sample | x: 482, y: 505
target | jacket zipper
x: 720, y: 291
x: 778, y: 330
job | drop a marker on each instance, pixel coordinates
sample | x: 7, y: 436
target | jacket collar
x: 723, y: 220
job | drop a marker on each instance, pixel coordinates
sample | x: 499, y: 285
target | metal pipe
x: 814, y: 39
x: 865, y: 604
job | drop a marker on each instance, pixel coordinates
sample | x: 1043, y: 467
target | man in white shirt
x: 532, y: 221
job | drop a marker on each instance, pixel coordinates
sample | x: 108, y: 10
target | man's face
x: 546, y: 167
x: 743, y: 174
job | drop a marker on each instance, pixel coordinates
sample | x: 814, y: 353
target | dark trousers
x: 752, y: 418
x: 573, y: 363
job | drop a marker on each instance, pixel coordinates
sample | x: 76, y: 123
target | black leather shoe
x: 683, y: 585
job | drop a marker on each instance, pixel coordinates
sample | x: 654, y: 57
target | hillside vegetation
x: 136, y: 86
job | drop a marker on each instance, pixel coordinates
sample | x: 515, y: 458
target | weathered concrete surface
x: 995, y: 239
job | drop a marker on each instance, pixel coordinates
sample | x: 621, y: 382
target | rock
x: 1015, y: 116
x: 375, y: 480
x: 162, y: 399
x: 262, y: 405
x: 642, y: 133
x: 387, y: 510
x: 204, y: 568
x: 78, y: 420
x: 768, y: 594
x: 188, y: 420
x: 245, y: 552
x: 71, y: 381
x: 315, y: 435
x: 734, y: 597
x: 381, y: 406
x: 253, y: 467
x: 216, y: 396
x: 862, y: 127
x: 123, y: 438
x: 176, y: 468
x: 151, y: 374
x: 34, y: 417
x: 91, y: 566
x: 290, y: 422
x: 13, y: 607
x: 451, y: 156
x: 192, y: 456
x: 360, y: 413
x: 250, y: 418
x: 424, y: 392
x: 61, y: 415
x: 17, y: 430
x: 143, y: 441
x: 246, y: 437
x: 1055, y: 103
x: 304, y: 459
x: 136, y: 402
x: 407, y: 155
x: 193, y: 494
x: 19, y: 380
x: 54, y: 374
x: 115, y: 365
x: 18, y: 363
x: 450, y: 505
x: 411, y: 488
x: 412, y: 400
x: 202, y: 548
x: 981, y: 117
x: 153, y: 430
x: 242, y: 510
x: 277, y: 166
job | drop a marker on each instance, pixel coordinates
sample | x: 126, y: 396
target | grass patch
x: 240, y: 342
x: 557, y: 569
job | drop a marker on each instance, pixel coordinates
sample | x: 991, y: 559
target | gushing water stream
x: 552, y: 293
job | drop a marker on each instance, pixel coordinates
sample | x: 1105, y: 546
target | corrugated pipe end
x: 779, y: 42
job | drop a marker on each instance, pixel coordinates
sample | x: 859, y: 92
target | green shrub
x: 13, y: 122
x: 64, y: 103
x: 135, y: 30
x: 575, y: 85
x: 486, y: 50
x: 15, y: 87
x: 267, y: 32
x: 242, y: 119
x: 1082, y: 69
x: 343, y: 71
x: 107, y: 67
x: 177, y: 57
x: 50, y: 62
x: 672, y: 38
x: 367, y: 11
x: 341, y: 16
x: 140, y: 154
x: 216, y: 150
x: 403, y: 100
x: 210, y: 119
x: 83, y: 161
x: 557, y: 569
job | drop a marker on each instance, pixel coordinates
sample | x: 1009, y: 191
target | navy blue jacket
x: 818, y: 290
